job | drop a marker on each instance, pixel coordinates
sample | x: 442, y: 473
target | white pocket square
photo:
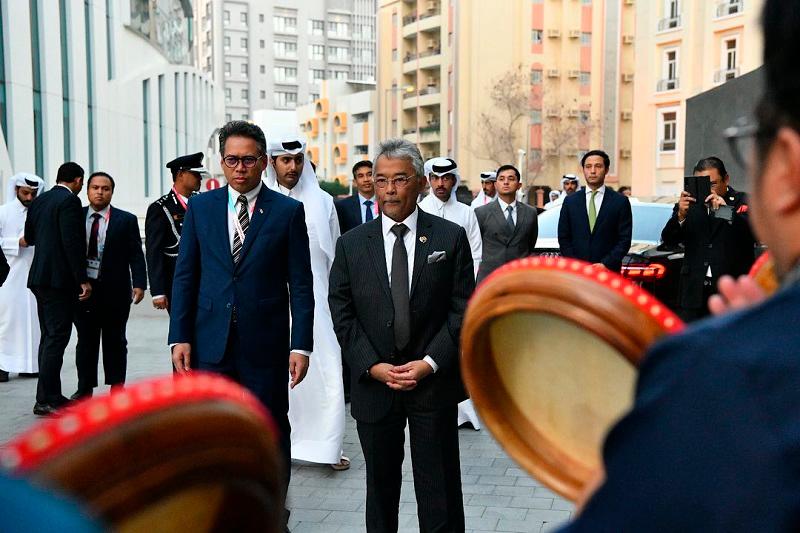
x: 435, y: 257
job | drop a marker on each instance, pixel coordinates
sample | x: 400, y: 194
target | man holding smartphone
x: 715, y: 233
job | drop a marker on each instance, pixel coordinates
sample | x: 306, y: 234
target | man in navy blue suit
x: 243, y: 264
x: 595, y: 223
x: 712, y: 442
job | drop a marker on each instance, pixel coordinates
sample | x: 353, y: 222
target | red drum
x: 550, y: 348
x: 191, y: 453
x: 763, y: 272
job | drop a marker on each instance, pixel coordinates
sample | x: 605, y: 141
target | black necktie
x: 400, y: 297
x: 244, y: 222
x: 367, y: 210
x: 92, y: 252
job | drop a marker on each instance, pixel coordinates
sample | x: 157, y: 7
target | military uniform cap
x: 191, y: 162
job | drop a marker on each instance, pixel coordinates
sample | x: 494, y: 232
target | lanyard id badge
x: 93, y: 268
x: 237, y: 226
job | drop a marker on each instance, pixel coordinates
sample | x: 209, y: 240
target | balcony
x: 430, y: 133
x: 670, y: 23
x: 728, y: 8
x: 410, y: 134
x: 723, y: 75
x: 411, y: 18
x: 668, y: 85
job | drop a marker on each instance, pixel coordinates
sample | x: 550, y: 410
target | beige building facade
x: 533, y: 83
x: 683, y: 47
x: 340, y: 128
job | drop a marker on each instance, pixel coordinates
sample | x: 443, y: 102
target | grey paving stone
x: 531, y: 502
x: 506, y: 513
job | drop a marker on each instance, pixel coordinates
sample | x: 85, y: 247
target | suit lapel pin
x: 260, y: 211
x: 423, y: 239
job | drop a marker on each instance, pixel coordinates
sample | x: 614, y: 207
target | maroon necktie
x: 92, y: 253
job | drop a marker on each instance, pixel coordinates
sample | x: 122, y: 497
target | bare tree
x: 499, y: 132
x: 565, y: 130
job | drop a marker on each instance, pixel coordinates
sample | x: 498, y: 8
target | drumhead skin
x: 191, y: 453
x: 550, y: 348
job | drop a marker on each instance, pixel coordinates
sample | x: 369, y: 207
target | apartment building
x: 274, y: 54
x: 683, y: 47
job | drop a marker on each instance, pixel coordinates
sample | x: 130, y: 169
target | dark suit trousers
x: 105, y: 318
x: 434, y: 460
x: 264, y: 383
x: 56, y: 309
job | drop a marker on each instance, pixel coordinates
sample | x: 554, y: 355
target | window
x: 244, y: 116
x: 729, y: 7
x: 672, y: 16
x: 731, y: 52
x: 245, y: 69
x: 285, y: 100
x: 284, y: 24
x: 228, y: 117
x: 536, y: 36
x: 316, y: 27
x: 317, y: 51
x: 536, y: 116
x: 338, y: 53
x: 262, y: 43
x: 226, y: 43
x: 146, y: 128
x: 262, y: 69
x: 244, y: 43
x: 584, y: 116
x: 586, y: 38
x: 262, y: 95
x: 340, y: 75
x: 316, y: 75
x: 226, y: 17
x: 285, y: 48
x: 585, y: 78
x: 536, y: 76
x: 314, y: 96
x: 338, y: 29
x: 243, y: 17
x: 245, y: 95
x: 261, y: 17
x: 669, y: 131
x: 285, y: 74
x: 227, y: 95
x: 670, y: 71
x: 227, y: 68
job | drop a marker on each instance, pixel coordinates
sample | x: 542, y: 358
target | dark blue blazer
x: 713, y: 440
x: 349, y: 212
x: 273, y: 272
x: 611, y: 239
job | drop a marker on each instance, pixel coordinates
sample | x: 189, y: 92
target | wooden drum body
x: 194, y: 453
x: 550, y: 348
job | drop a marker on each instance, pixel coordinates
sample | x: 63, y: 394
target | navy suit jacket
x: 713, y: 440
x: 611, y: 239
x: 273, y: 272
x: 349, y: 212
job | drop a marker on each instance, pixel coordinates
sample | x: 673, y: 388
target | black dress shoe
x: 81, y: 394
x: 3, y: 376
x: 44, y: 409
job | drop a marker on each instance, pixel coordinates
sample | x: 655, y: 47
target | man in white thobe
x: 19, y: 320
x: 444, y: 179
x: 316, y: 410
x: 488, y: 192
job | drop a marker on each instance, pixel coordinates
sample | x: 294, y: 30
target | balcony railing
x: 668, y: 145
x: 668, y: 85
x: 409, y: 19
x: 730, y: 7
x: 409, y: 131
x: 433, y: 127
x: 430, y: 89
x: 430, y: 52
x: 669, y: 23
x: 410, y: 56
x: 726, y: 74
x: 431, y: 13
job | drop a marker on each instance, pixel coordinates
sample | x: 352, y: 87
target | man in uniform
x: 162, y: 227
x: 714, y: 246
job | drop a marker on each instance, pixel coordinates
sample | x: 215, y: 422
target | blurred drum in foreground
x: 763, y: 272
x: 550, y: 350
x: 193, y: 453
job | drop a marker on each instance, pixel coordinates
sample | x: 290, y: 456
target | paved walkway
x: 498, y: 496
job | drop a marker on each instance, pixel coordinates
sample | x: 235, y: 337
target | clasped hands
x: 401, y: 378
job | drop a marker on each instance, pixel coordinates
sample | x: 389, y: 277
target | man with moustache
x: 488, y: 190
x: 398, y: 289
x: 243, y: 269
x: 362, y: 206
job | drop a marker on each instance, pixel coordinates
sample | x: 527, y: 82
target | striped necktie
x: 244, y: 222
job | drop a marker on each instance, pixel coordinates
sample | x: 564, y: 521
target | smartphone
x: 699, y: 187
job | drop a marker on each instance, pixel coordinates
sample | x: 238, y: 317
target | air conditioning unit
x: 574, y: 74
x: 626, y: 115
x: 625, y: 153
x: 629, y: 2
x: 554, y: 34
x: 574, y: 113
x: 553, y: 73
x: 627, y: 78
x: 574, y: 34
x: 553, y: 112
x: 627, y: 39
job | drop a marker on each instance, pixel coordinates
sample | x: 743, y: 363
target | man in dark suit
x: 713, y: 246
x: 58, y: 278
x: 509, y: 228
x: 114, y: 255
x: 398, y: 289
x: 362, y: 206
x: 163, y: 224
x: 711, y: 441
x: 243, y: 264
x: 595, y: 223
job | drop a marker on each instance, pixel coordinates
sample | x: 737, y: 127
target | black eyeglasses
x: 401, y: 182
x: 249, y: 161
x: 741, y: 139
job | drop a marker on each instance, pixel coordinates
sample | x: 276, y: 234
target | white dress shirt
x: 363, y: 207
x: 504, y: 207
x: 233, y: 208
x: 598, y: 198
x: 410, y: 240
x: 102, y: 227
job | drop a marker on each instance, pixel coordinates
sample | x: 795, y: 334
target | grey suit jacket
x: 500, y: 243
